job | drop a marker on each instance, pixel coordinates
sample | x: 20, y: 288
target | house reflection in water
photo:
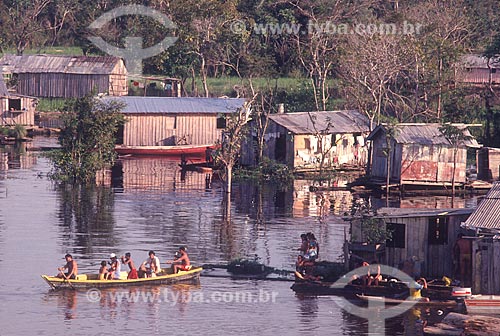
x: 17, y: 156
x: 153, y: 173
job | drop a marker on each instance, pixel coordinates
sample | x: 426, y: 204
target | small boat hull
x: 392, y: 301
x: 162, y: 279
x: 482, y: 304
x: 194, y: 150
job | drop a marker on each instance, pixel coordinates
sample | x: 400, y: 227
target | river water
x: 157, y: 207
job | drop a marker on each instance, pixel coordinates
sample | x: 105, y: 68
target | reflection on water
x: 154, y: 206
x: 16, y: 156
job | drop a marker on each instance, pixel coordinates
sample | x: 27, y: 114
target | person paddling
x: 71, y: 268
x: 127, y: 260
x: 182, y: 263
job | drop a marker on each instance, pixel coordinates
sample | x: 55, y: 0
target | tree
x: 457, y: 137
x: 87, y: 139
x: 230, y: 146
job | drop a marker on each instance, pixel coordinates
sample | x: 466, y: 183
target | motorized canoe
x: 165, y: 277
x: 482, y: 304
x: 393, y: 301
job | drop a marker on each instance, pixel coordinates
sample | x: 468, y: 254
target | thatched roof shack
x: 167, y: 121
x: 420, y: 154
x: 51, y: 76
x: 302, y: 139
x: 16, y: 109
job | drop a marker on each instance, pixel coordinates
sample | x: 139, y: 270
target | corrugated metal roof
x: 179, y: 105
x: 349, y: 121
x: 98, y: 65
x: 478, y: 61
x: 423, y: 134
x: 487, y: 214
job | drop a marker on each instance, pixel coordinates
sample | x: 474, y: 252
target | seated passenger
x: 115, y: 268
x: 374, y: 276
x: 150, y: 267
x: 416, y: 288
x: 103, y: 271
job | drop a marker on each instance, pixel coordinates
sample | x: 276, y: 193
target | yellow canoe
x: 165, y: 277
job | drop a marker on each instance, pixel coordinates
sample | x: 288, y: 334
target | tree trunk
x: 455, y: 150
x: 229, y: 175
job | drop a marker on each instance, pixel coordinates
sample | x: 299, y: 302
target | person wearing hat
x: 71, y: 268
x: 182, y: 263
x: 115, y: 269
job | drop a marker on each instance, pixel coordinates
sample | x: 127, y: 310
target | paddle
x: 66, y: 279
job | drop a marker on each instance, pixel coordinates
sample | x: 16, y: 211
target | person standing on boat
x: 115, y: 269
x: 71, y: 268
x: 182, y: 263
x: 416, y: 290
x: 127, y: 260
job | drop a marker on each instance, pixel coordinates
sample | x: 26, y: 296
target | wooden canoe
x: 392, y: 301
x: 482, y: 304
x: 178, y: 150
x: 92, y: 280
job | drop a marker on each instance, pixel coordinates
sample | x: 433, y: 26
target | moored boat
x: 394, y: 301
x: 165, y: 277
x: 178, y: 150
x: 482, y: 304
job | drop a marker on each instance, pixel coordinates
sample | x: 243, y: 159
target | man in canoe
x: 71, y: 268
x: 182, y: 263
x: 115, y: 268
x: 127, y: 260
x: 416, y: 290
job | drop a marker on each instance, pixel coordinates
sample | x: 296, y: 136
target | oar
x: 66, y: 279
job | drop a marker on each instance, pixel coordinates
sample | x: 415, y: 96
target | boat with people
x: 164, y: 277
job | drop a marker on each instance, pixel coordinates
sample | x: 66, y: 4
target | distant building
x: 303, y: 139
x: 475, y: 70
x: 420, y: 155
x: 15, y: 108
x: 155, y: 122
x: 488, y: 164
x: 48, y: 76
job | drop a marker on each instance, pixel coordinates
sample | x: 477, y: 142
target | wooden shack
x: 484, y: 222
x: 488, y: 164
x: 420, y: 154
x: 165, y: 121
x: 49, y: 76
x: 423, y: 236
x: 16, y: 109
x: 476, y: 70
x: 303, y: 140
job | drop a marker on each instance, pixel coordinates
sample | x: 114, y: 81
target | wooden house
x: 424, y: 237
x: 164, y: 123
x: 48, y: 76
x: 488, y: 164
x: 476, y: 70
x: 419, y: 154
x: 484, y: 222
x: 303, y: 139
x: 16, y: 109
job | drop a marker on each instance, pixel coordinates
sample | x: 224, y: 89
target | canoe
x: 482, y: 304
x: 92, y: 280
x: 178, y: 150
x: 392, y: 301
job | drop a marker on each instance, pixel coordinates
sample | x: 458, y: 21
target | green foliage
x: 270, y: 170
x: 375, y: 230
x: 87, y: 139
x: 18, y: 132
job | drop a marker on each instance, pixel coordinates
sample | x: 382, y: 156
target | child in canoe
x: 103, y: 271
